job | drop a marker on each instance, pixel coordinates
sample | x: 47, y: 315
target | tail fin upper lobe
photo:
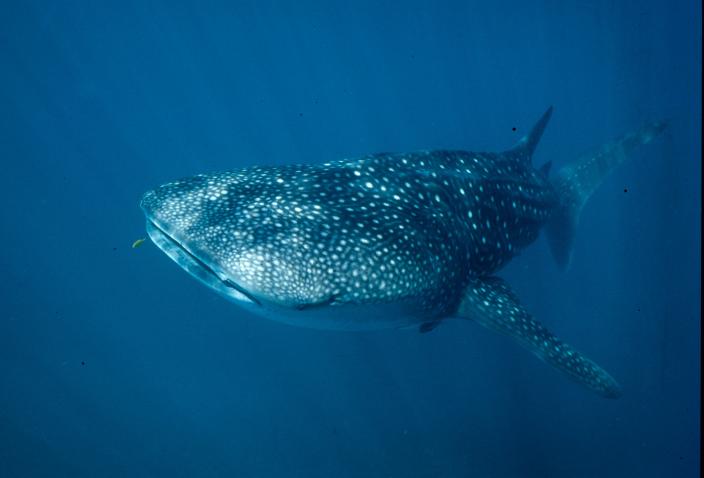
x: 576, y: 182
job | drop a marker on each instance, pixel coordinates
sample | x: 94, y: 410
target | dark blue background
x: 113, y: 362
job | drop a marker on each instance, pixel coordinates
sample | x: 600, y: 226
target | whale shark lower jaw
x: 196, y: 267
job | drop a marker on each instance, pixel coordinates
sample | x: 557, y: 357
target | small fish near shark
x: 389, y: 240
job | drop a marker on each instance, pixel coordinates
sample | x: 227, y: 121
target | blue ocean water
x: 114, y: 362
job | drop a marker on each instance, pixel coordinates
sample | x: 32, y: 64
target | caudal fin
x: 577, y: 181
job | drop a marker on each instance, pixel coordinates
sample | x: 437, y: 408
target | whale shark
x: 388, y: 240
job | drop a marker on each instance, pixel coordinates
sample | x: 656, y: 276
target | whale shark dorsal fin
x: 526, y: 145
x: 491, y: 303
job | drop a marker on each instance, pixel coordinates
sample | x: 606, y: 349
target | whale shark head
x: 181, y: 222
x: 301, y: 237
x: 249, y: 235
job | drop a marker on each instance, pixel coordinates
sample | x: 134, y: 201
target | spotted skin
x: 382, y: 228
x: 383, y: 241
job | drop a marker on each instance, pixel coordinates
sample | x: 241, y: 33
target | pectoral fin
x: 491, y: 303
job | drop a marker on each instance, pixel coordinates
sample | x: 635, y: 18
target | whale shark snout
x: 174, y: 214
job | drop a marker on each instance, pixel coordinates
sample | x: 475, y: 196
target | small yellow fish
x: 138, y: 242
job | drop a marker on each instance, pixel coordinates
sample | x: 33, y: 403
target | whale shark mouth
x: 196, y: 266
